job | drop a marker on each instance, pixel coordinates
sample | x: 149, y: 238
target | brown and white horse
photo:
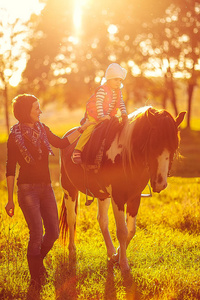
x: 133, y: 153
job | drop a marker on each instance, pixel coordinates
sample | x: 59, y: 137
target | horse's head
x: 151, y: 140
x: 163, y: 142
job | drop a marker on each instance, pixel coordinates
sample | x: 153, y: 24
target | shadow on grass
x: 131, y: 290
x: 66, y: 279
x: 66, y: 282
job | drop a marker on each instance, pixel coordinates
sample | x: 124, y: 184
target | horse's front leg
x: 131, y: 225
x: 122, y: 235
x: 71, y: 221
x: 131, y: 214
x: 102, y: 217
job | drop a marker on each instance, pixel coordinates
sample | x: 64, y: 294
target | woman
x: 29, y: 146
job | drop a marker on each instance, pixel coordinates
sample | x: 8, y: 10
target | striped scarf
x: 36, y: 136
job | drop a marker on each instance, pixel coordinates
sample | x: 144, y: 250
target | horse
x: 118, y: 162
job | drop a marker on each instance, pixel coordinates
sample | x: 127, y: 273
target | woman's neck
x: 29, y: 125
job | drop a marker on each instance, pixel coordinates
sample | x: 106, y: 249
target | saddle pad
x: 100, y: 140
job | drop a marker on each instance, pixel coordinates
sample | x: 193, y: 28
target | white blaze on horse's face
x: 160, y: 182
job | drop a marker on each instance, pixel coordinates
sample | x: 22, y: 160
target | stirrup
x: 150, y: 193
x: 88, y: 201
x: 76, y: 157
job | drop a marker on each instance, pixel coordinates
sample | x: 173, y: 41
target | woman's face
x: 115, y: 83
x: 35, y: 112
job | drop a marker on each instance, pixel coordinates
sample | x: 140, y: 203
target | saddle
x: 99, y: 142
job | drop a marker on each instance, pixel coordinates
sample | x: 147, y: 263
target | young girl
x: 103, y: 105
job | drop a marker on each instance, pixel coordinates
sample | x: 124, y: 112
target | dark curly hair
x: 22, y: 105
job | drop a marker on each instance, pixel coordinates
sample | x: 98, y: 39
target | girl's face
x: 115, y: 83
x: 35, y: 112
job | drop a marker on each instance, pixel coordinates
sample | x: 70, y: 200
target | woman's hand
x: 86, y: 124
x: 10, y: 207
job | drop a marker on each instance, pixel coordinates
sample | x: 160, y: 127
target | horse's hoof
x: 113, y: 259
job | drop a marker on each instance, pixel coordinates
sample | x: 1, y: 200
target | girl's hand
x: 10, y: 209
x: 105, y: 118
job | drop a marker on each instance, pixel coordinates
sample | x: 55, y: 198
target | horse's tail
x: 63, y: 221
x: 63, y: 225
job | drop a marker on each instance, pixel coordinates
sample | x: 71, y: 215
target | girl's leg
x: 85, y: 137
x: 76, y: 155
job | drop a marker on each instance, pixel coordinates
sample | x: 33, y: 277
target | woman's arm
x: 75, y: 134
x: 58, y: 142
x: 10, y: 205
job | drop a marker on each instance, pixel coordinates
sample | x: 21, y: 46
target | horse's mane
x: 149, y: 131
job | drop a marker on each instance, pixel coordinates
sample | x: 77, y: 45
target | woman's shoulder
x: 14, y: 130
x: 11, y: 140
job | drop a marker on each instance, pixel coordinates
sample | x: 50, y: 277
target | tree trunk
x: 190, y: 93
x: 171, y: 89
x: 5, y: 93
x: 173, y: 99
x: 165, y: 93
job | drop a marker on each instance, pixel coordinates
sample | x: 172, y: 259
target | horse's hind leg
x: 122, y: 235
x: 70, y: 200
x: 102, y: 217
x: 71, y: 207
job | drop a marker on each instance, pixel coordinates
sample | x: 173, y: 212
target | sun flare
x: 77, y: 15
x: 21, y: 9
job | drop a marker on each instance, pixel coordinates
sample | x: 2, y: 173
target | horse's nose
x: 164, y: 185
x: 157, y: 187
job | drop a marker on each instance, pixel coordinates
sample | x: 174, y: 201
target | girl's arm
x: 10, y: 205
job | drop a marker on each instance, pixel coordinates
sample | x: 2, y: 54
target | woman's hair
x: 22, y: 105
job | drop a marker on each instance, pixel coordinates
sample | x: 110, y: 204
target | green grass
x: 164, y: 255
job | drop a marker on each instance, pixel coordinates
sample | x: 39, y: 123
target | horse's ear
x: 151, y: 116
x: 179, y: 118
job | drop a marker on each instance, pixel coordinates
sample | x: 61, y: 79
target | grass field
x: 164, y: 255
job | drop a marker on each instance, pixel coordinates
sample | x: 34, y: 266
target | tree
x: 61, y: 54
x: 13, y: 47
x: 175, y: 46
x: 141, y: 35
x: 53, y: 25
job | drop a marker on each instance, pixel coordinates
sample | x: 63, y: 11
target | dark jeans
x: 38, y: 204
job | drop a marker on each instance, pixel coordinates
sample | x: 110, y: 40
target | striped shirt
x: 100, y: 96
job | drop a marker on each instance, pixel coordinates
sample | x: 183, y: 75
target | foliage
x: 144, y: 36
x: 14, y: 45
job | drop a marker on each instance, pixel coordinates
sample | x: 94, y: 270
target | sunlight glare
x: 77, y: 16
x: 21, y: 8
